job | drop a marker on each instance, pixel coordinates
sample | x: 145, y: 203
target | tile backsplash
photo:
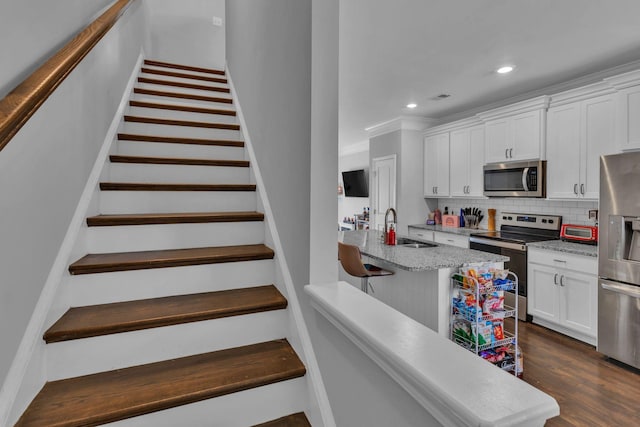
x: 572, y: 212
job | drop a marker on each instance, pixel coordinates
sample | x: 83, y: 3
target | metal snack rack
x: 469, y: 322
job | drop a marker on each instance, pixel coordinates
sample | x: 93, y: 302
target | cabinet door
x: 578, y: 302
x: 629, y: 118
x: 458, y: 240
x: 542, y: 292
x: 442, y: 176
x: 563, y: 151
x: 475, y: 182
x: 597, y: 139
x: 430, y: 165
x: 525, y: 136
x: 459, y: 162
x: 496, y: 148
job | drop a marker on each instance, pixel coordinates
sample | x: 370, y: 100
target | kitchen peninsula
x: 420, y: 286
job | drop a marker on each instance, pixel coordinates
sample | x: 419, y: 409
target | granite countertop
x: 453, y: 230
x: 412, y: 259
x: 567, y: 247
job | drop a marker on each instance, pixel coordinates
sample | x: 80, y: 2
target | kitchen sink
x: 416, y: 244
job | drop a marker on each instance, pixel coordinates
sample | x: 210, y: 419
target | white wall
x: 349, y: 206
x: 43, y: 170
x: 183, y: 32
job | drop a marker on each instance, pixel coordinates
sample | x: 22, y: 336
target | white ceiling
x: 393, y: 52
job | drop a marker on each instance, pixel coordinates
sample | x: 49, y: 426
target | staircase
x: 176, y: 316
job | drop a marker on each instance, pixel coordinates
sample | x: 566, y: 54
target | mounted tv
x: 356, y: 183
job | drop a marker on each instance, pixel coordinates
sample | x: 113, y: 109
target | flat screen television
x: 355, y: 183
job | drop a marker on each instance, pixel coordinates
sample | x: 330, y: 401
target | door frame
x: 374, y: 185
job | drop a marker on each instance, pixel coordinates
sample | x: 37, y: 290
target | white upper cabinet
x: 578, y: 133
x: 467, y: 159
x: 629, y: 118
x: 436, y: 165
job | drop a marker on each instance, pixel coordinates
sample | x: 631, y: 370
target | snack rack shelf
x: 477, y: 319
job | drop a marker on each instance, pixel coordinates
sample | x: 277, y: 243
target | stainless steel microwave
x: 515, y: 179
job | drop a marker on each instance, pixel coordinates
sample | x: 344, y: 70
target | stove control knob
x: 550, y: 221
x: 544, y: 221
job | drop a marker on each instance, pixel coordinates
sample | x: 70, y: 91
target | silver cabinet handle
x: 433, y: 190
x: 511, y: 153
x: 555, y: 279
x: 449, y: 240
x: 620, y: 288
x: 506, y: 153
x: 436, y: 189
x: 575, y: 189
x: 559, y: 260
x: 468, y: 189
x: 582, y: 189
x: 561, y: 282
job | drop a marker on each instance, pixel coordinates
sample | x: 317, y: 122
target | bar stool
x: 351, y: 260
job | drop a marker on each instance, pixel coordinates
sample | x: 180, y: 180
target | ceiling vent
x: 441, y: 97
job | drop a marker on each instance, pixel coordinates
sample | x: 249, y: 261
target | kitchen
x: 568, y: 124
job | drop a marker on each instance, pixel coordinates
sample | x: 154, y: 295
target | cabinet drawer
x: 421, y: 233
x: 451, y: 239
x: 564, y: 260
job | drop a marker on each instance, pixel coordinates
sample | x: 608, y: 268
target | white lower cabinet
x: 421, y: 233
x: 562, y: 293
x: 458, y: 240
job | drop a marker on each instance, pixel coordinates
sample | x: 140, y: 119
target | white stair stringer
x: 241, y: 409
x: 133, y: 238
x: 91, y: 289
x: 168, y: 113
x: 178, y: 174
x: 188, y: 151
x: 179, y: 131
x: 121, y: 350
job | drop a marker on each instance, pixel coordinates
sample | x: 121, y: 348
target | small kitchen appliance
x: 579, y: 233
x: 515, y: 179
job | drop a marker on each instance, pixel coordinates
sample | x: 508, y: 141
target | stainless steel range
x: 516, y: 231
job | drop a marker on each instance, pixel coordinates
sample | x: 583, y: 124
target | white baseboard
x: 26, y: 374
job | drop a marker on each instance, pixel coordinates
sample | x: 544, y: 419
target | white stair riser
x: 176, y: 70
x: 173, y: 236
x: 185, y: 79
x: 179, y: 131
x: 179, y: 174
x: 114, y: 202
x: 104, y: 288
x: 241, y: 409
x: 190, y: 151
x: 116, y: 351
x: 200, y: 92
x: 181, y: 115
x: 183, y: 101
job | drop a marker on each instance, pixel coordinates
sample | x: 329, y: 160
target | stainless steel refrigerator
x: 619, y: 258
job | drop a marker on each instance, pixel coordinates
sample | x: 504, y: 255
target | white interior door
x: 383, y: 195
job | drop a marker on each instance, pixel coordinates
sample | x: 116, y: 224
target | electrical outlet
x: 593, y: 214
x: 217, y: 21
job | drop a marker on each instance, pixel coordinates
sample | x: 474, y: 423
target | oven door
x: 517, y: 263
x: 519, y: 179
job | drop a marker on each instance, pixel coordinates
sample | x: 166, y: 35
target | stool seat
x: 351, y: 260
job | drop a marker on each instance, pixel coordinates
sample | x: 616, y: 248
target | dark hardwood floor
x: 591, y: 389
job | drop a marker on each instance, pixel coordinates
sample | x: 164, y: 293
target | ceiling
x: 401, y: 51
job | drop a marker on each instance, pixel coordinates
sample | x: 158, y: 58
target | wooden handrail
x: 23, y: 101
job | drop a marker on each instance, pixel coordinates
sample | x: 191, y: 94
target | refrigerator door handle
x: 620, y: 288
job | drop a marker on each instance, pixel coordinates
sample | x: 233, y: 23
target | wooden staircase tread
x: 177, y: 161
x: 124, y: 261
x: 144, y: 186
x: 179, y: 140
x: 187, y: 108
x: 129, y: 392
x: 172, y: 218
x: 293, y: 420
x: 183, y: 67
x: 183, y: 75
x: 183, y: 85
x: 195, y: 97
x: 173, y: 122
x: 104, y: 319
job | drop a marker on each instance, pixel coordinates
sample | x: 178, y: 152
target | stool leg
x: 364, y: 285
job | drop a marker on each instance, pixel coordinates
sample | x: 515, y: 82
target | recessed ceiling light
x: 412, y: 105
x: 504, y: 70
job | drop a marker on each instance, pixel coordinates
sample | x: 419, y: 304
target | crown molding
x: 538, y: 103
x: 451, y: 126
x: 359, y: 147
x: 399, y: 123
x: 623, y: 81
x: 581, y: 93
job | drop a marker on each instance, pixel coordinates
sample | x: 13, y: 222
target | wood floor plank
x: 124, y: 261
x: 142, y: 186
x: 104, y: 319
x: 183, y: 75
x: 172, y: 218
x: 187, y: 108
x: 115, y: 395
x: 188, y: 123
x: 293, y: 420
x: 590, y: 389
x: 194, y: 97
x: 183, y: 67
x: 183, y: 85
x: 179, y: 140
x: 177, y: 161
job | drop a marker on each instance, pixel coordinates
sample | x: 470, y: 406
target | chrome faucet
x: 386, y: 222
